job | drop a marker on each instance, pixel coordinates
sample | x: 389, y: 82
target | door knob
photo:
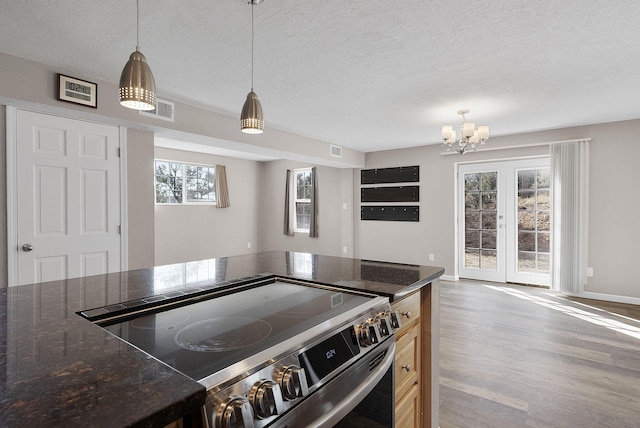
x: 27, y: 247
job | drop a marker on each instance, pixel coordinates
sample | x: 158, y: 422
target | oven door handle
x: 348, y: 403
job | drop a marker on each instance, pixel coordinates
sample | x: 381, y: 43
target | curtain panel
x: 288, y: 205
x: 313, y: 223
x: 222, y: 190
x: 570, y: 190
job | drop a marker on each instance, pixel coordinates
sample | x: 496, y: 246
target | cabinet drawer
x: 408, y: 310
x: 407, y: 361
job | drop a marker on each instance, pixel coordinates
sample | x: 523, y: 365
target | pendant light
x: 137, y: 86
x: 251, y: 118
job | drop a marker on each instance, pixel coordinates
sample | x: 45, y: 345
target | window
x: 302, y: 199
x: 174, y: 180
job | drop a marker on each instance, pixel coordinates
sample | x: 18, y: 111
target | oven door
x: 362, y: 395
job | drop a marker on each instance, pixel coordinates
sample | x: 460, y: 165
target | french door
x: 504, y: 226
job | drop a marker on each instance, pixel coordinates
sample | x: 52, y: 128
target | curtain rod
x: 548, y: 143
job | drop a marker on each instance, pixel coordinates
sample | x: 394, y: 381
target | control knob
x: 266, y: 398
x: 383, y: 324
x: 293, y: 382
x: 367, y: 334
x: 395, y: 320
x: 235, y: 413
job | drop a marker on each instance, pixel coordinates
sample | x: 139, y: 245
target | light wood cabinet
x: 417, y: 372
x: 408, y: 409
x: 408, y: 362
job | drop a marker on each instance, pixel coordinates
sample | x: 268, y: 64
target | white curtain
x: 288, y: 205
x: 222, y: 189
x: 570, y: 193
x: 313, y: 222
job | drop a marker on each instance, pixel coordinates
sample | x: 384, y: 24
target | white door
x: 68, y: 198
x: 481, y: 206
x: 504, y: 221
x: 529, y: 219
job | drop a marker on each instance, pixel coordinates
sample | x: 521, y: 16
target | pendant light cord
x: 251, y: 45
x: 137, y: 25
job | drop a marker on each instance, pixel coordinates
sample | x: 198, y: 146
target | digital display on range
x: 327, y: 356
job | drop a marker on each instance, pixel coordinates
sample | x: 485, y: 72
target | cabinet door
x: 408, y: 409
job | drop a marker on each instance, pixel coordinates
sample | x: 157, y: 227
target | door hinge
x: 118, y: 151
x: 119, y: 231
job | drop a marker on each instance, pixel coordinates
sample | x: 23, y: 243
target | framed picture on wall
x: 77, y: 91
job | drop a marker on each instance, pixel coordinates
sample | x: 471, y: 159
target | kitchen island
x: 59, y: 369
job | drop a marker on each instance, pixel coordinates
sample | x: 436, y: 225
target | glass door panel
x: 480, y: 229
x: 532, y: 219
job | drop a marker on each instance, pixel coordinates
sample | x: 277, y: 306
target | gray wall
x: 335, y: 187
x: 140, y: 182
x: 614, y: 154
x: 188, y: 232
x: 412, y: 242
x: 613, y: 205
x: 32, y: 85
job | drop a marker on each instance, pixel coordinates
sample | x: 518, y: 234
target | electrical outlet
x: 589, y: 271
x: 248, y: 244
x: 344, y: 205
x: 344, y: 250
x: 432, y: 257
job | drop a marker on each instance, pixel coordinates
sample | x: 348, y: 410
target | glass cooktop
x: 202, y: 338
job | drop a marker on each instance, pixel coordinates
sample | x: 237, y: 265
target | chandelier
x: 469, y: 135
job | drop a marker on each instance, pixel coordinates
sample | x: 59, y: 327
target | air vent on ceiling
x: 336, y: 151
x: 164, y: 110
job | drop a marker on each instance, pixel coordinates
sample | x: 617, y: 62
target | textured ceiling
x: 365, y: 75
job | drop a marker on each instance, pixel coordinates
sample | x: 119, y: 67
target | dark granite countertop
x: 58, y: 369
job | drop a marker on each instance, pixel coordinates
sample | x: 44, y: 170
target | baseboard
x: 609, y: 297
x: 450, y: 277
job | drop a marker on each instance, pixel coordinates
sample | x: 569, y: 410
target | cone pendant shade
x: 252, y: 119
x: 137, y: 86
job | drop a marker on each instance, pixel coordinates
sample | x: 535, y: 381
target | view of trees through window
x: 481, y: 219
x: 303, y: 199
x: 174, y: 180
x: 534, y: 221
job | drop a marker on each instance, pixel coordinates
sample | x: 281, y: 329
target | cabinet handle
x: 407, y: 367
x: 406, y: 314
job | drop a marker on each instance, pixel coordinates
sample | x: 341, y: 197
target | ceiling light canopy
x: 469, y: 135
x: 252, y: 118
x: 137, y: 86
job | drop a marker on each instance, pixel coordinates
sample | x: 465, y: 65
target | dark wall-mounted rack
x: 399, y: 194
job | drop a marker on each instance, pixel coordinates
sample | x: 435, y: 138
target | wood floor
x: 516, y: 356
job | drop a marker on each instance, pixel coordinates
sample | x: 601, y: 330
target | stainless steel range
x: 272, y: 352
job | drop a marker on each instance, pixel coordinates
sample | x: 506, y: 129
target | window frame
x: 184, y: 167
x: 296, y: 200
